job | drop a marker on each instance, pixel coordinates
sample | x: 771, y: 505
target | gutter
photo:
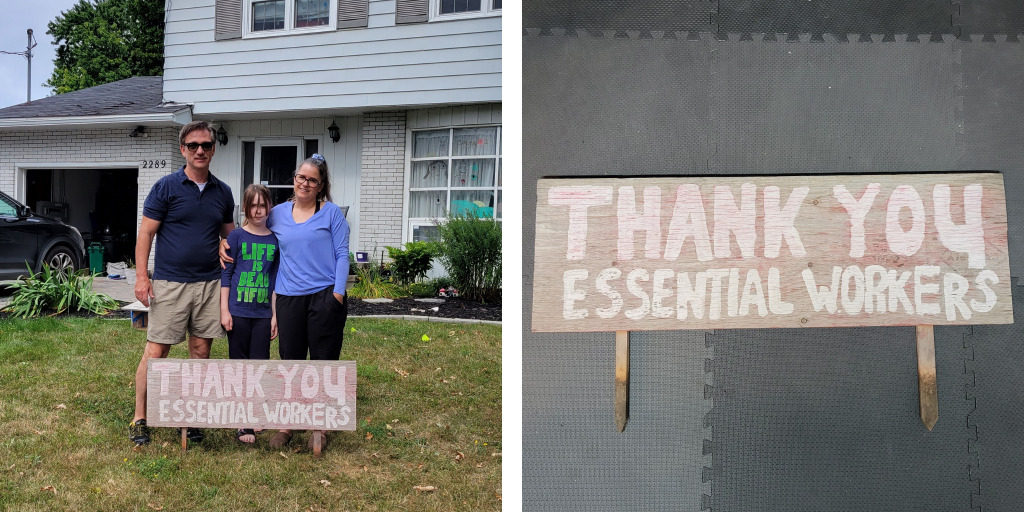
x: 175, y: 118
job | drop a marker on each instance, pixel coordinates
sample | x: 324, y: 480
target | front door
x: 276, y: 161
x: 18, y: 241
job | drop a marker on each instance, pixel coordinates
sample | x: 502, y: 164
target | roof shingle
x: 136, y: 95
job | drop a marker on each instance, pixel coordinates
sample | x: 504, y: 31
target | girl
x: 247, y: 285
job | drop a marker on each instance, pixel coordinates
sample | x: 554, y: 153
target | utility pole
x: 28, y: 55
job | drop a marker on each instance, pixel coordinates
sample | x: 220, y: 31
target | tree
x: 102, y: 41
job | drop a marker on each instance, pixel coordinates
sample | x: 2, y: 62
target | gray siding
x: 359, y: 69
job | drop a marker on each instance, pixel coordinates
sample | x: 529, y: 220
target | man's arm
x: 143, y: 244
x: 226, y: 228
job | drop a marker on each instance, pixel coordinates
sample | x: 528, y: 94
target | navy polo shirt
x: 190, y: 221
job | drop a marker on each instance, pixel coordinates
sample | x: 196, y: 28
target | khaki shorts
x: 179, y: 307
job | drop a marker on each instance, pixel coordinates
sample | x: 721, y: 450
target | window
x: 277, y: 17
x: 457, y: 9
x: 457, y: 169
x: 7, y: 209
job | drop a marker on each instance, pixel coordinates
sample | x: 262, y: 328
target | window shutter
x: 228, y: 19
x: 353, y: 13
x: 410, y: 11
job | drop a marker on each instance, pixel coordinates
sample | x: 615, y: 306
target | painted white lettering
x: 692, y: 296
x: 925, y: 308
x: 858, y: 210
x: 578, y: 199
x: 602, y: 286
x: 688, y: 219
x: 189, y: 408
x: 954, y: 287
x: 163, y: 409
x: 660, y: 293
x: 288, y: 375
x: 177, y: 408
x: 630, y: 221
x: 904, y: 243
x: 191, y: 377
x: 304, y: 411
x: 779, y: 223
x: 823, y: 296
x: 739, y: 221
x: 874, y: 293
x: 775, y: 303
x: 970, y: 237
x: 732, y: 299
x: 318, y: 415
x: 898, y: 293
x: 212, y: 381
x: 310, y: 382
x: 200, y: 412
x: 344, y: 416
x: 166, y: 369
x: 335, y: 389
x: 233, y: 379
x: 329, y: 414
x: 293, y: 413
x: 753, y: 295
x: 990, y: 296
x: 240, y: 416
x: 715, y: 308
x: 854, y: 305
x: 252, y: 380
x: 570, y: 294
x: 645, y: 302
x: 271, y: 416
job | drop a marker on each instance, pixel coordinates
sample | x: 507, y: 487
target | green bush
x: 48, y: 290
x: 470, y: 250
x: 412, y: 263
x: 371, y: 283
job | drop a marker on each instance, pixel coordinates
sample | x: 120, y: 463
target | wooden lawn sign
x: 251, y: 393
x: 627, y: 254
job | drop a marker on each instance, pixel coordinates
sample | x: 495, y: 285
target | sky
x: 13, y: 68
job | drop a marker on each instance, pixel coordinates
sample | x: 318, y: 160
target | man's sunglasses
x: 193, y: 146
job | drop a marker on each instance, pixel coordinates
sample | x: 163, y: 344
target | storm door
x: 276, y: 161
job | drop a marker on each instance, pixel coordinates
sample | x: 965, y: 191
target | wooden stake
x: 317, y: 443
x: 184, y: 440
x: 621, y: 379
x: 926, y: 383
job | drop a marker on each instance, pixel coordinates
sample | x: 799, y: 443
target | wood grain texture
x: 770, y: 251
x: 222, y: 393
x: 621, y: 379
x: 927, y: 384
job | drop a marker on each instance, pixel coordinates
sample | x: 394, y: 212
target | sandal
x: 323, y: 440
x: 280, y: 439
x: 245, y: 432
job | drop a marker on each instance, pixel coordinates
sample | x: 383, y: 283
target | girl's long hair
x: 249, y: 198
x: 324, y: 194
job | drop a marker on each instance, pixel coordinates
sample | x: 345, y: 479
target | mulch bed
x: 453, y: 307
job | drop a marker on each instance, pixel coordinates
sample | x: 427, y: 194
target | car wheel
x: 61, y: 261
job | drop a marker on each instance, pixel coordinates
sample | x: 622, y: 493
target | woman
x: 309, y: 299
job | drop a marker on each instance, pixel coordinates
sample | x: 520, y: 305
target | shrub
x: 412, y: 263
x: 372, y: 284
x: 470, y: 250
x: 49, y: 290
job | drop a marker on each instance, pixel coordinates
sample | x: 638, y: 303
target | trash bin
x: 95, y: 258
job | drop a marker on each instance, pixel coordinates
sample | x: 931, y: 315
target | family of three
x: 283, y: 274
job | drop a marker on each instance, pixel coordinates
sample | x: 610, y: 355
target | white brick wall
x: 383, y: 180
x: 81, y: 146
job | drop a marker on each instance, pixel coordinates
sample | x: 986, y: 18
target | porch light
x: 222, y: 136
x: 334, y: 131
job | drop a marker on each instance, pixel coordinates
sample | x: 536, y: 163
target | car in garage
x: 28, y: 240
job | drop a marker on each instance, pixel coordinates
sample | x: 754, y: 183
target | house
x: 402, y: 98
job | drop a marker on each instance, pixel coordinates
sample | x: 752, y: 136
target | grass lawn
x: 429, y: 414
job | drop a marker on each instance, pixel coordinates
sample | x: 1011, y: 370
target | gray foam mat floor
x: 801, y: 420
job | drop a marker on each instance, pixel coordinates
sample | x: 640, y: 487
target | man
x: 188, y: 212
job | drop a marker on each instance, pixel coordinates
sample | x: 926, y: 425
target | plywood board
x: 621, y: 254
x: 222, y: 393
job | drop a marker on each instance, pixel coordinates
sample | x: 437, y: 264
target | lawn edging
x: 430, y: 319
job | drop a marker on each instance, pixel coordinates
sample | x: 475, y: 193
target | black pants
x: 249, y: 338
x: 313, y: 324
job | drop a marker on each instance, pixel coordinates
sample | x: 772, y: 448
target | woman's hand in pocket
x: 339, y: 297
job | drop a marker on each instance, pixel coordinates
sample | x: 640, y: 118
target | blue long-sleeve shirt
x: 314, y: 254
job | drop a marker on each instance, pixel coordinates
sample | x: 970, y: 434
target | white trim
x: 180, y: 117
x: 272, y: 142
x: 434, y: 12
x: 406, y: 226
x: 289, y: 21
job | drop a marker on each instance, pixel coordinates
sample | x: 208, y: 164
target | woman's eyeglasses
x: 302, y: 180
x: 193, y: 146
